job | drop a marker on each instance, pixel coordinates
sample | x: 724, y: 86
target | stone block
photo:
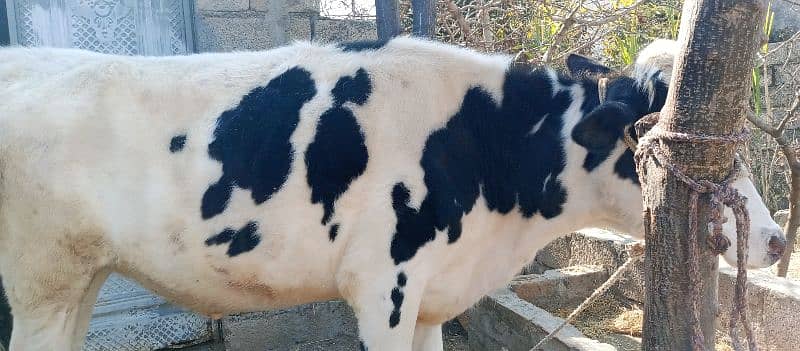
x: 219, y: 33
x: 260, y: 5
x: 559, y: 288
x: 328, y: 30
x: 327, y: 325
x: 289, y: 6
x: 591, y: 246
x: 773, y: 307
x: 217, y: 5
x: 595, y: 247
x: 534, y: 267
x: 557, y: 254
x: 299, y: 27
x: 503, y: 321
x: 631, y: 283
x: 622, y: 342
x: 228, y: 31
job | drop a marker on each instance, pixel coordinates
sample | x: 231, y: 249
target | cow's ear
x: 581, y: 65
x: 601, y: 128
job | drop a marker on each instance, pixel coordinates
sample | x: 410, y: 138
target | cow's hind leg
x: 428, y: 337
x: 86, y: 306
x: 55, y: 325
x: 51, y: 290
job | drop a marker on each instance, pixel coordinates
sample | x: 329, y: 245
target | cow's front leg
x: 428, y: 337
x: 386, y: 311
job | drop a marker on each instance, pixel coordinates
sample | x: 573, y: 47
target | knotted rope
x: 721, y: 195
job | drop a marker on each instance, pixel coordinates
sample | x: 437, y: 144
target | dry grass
x: 723, y: 342
x: 629, y: 322
x: 608, y: 316
x: 599, y: 318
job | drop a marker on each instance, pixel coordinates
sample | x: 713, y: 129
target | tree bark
x: 387, y: 19
x: 424, y: 24
x: 792, y: 223
x: 718, y: 41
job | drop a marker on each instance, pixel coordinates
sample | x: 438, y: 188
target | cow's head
x: 624, y: 99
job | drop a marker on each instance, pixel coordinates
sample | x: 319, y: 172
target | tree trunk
x: 424, y: 18
x: 718, y: 41
x: 792, y: 223
x: 387, y: 19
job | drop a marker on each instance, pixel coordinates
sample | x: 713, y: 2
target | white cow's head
x: 625, y: 100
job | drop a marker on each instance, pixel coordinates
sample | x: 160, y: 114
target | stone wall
x: 222, y: 25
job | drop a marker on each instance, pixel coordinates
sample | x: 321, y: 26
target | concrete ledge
x: 595, y: 247
x: 559, y: 288
x: 773, y: 302
x: 503, y: 321
x: 773, y: 306
x: 592, y: 246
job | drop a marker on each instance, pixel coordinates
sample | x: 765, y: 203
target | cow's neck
x: 589, y: 181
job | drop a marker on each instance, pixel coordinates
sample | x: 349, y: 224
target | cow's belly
x: 287, y: 267
x: 279, y: 253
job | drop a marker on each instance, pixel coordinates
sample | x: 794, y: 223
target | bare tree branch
x: 791, y: 40
x: 789, y: 113
x: 566, y: 24
x: 619, y: 14
x: 455, y: 12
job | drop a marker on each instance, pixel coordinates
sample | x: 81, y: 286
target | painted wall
x: 4, y: 40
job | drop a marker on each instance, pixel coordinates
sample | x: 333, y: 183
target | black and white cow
x: 409, y: 178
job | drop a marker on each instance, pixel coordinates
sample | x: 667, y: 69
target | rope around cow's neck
x: 721, y: 195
